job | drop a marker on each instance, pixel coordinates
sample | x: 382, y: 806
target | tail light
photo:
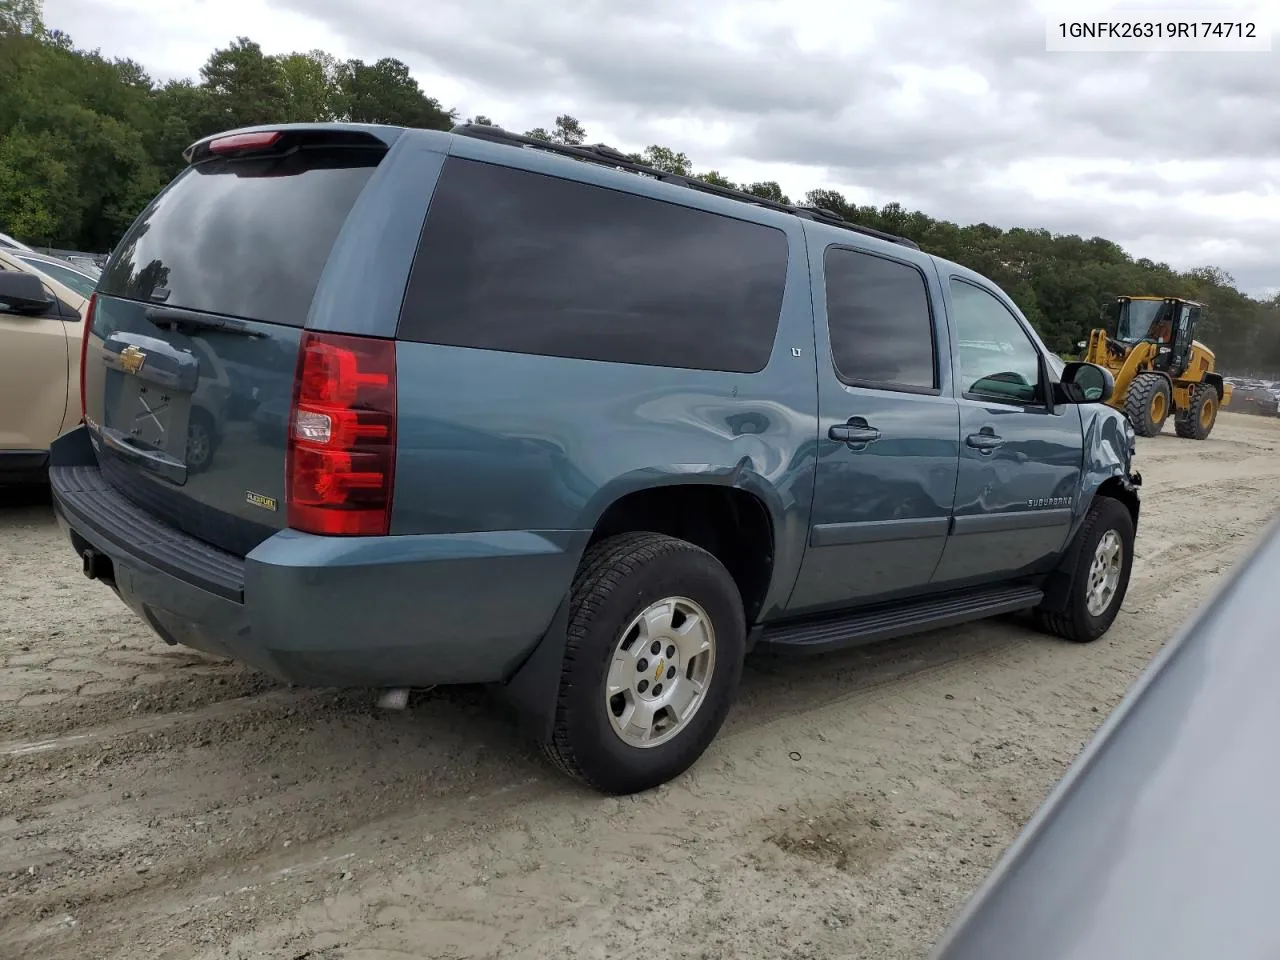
x: 87, y: 323
x: 340, y: 465
x: 245, y: 142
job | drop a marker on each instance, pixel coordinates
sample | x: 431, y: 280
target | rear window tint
x: 244, y: 237
x: 528, y: 263
x: 880, y: 322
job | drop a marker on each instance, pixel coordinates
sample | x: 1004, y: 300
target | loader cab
x: 1168, y: 322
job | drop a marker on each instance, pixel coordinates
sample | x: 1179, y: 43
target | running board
x: 867, y: 626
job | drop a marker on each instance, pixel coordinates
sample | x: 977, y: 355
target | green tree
x: 245, y: 86
x: 311, y: 87
x: 37, y: 189
x: 86, y: 141
x: 768, y: 190
x: 831, y: 200
x: 568, y: 131
x: 385, y: 92
x: 666, y: 160
x: 718, y: 179
x: 20, y: 16
x: 182, y: 113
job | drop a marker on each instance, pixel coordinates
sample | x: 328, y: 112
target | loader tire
x: 1148, y: 402
x: 1197, y: 421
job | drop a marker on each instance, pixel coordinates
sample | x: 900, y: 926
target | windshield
x: 1136, y: 317
x: 74, y: 279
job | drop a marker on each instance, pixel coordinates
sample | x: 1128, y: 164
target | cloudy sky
x: 948, y: 106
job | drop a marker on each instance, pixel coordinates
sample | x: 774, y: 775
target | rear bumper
x: 324, y: 611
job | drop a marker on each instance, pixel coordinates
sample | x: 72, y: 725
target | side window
x: 996, y: 360
x: 879, y: 319
x: 528, y: 263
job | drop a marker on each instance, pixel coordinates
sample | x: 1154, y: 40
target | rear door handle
x: 857, y: 430
x: 985, y: 441
x: 152, y: 460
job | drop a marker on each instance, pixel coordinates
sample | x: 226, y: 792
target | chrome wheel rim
x: 660, y: 672
x: 197, y: 444
x: 1104, y: 573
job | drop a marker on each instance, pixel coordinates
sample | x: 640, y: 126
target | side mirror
x: 1086, y: 383
x: 23, y: 293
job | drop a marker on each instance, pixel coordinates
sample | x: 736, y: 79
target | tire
x: 1076, y: 622
x: 617, y: 580
x: 1197, y: 423
x: 1148, y: 393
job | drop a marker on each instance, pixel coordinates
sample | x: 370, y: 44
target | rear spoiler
x: 282, y: 137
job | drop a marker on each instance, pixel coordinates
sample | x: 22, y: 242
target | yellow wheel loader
x: 1149, y: 345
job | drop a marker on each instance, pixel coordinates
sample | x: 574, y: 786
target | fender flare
x: 1057, y: 585
x: 1217, y: 382
x: 533, y: 688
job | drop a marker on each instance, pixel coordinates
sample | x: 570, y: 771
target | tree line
x: 86, y: 140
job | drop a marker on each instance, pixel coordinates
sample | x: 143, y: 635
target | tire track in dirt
x: 888, y: 812
x: 931, y: 653
x: 172, y: 703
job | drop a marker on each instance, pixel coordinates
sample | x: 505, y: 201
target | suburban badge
x: 1050, y: 502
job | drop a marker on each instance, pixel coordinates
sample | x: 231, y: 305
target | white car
x: 9, y: 243
x: 65, y: 272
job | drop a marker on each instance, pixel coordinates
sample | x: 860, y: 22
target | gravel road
x: 157, y: 803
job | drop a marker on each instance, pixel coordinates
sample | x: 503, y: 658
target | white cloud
x: 949, y: 106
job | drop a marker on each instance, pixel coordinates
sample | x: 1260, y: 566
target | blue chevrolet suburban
x: 538, y: 416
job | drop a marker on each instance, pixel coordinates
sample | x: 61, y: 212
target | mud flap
x: 534, y: 688
x: 1057, y: 586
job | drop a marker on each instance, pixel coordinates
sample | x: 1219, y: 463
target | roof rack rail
x: 610, y: 157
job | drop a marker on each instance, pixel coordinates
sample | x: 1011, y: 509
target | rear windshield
x: 243, y: 237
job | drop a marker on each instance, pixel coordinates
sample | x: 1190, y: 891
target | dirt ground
x: 156, y: 803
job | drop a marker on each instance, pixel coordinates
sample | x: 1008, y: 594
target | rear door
x: 197, y: 325
x: 1020, y: 459
x: 35, y: 367
x: 888, y: 430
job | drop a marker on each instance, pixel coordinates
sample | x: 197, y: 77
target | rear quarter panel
x: 493, y: 441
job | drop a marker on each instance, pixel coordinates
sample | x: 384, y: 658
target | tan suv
x: 40, y: 332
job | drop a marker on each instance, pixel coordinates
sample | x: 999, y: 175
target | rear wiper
x: 176, y: 319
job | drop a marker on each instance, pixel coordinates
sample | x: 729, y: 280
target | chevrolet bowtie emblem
x: 132, y: 358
